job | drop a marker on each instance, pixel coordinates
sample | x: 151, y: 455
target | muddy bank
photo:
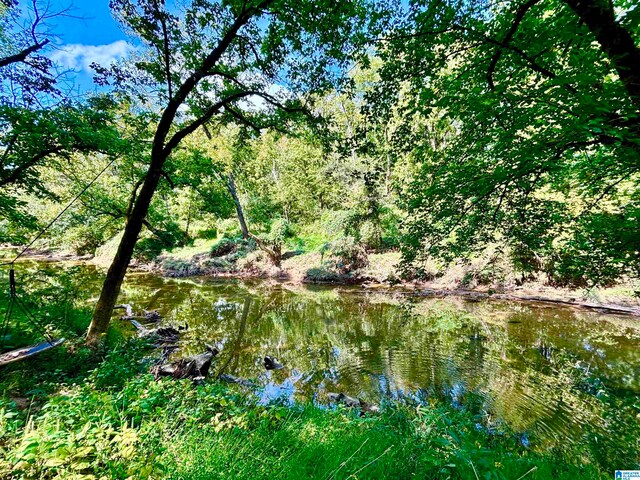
x: 378, y: 274
x: 9, y: 252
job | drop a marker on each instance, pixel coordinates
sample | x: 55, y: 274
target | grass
x: 200, y: 245
x: 139, y: 428
x: 72, y: 413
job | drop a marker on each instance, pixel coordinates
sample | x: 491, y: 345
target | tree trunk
x: 160, y: 150
x: 186, y: 230
x: 274, y: 253
x: 231, y: 185
x: 615, y: 40
x: 118, y: 268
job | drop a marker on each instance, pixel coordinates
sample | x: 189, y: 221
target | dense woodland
x: 495, y: 144
x: 438, y: 128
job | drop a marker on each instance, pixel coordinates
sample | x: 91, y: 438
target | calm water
x: 557, y: 376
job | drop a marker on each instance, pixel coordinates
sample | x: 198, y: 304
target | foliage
x: 32, y: 137
x: 347, y: 254
x: 523, y: 134
x: 28, y: 75
x: 444, y: 129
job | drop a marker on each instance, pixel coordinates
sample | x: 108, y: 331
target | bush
x: 151, y: 246
x: 224, y: 247
x: 208, y: 233
x: 348, y: 254
x: 321, y: 275
x: 229, y: 228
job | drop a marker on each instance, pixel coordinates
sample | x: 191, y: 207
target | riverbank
x: 475, y: 281
x: 75, y: 413
x: 379, y: 271
x: 115, y: 421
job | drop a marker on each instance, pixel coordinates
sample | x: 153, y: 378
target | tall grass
x: 121, y: 424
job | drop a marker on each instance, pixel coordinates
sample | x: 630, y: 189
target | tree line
x: 434, y: 127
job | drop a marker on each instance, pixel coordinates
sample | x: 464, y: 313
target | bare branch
x: 22, y: 56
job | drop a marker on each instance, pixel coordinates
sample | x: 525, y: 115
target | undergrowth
x: 117, y: 422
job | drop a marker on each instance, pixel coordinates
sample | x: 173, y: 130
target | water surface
x: 559, y: 377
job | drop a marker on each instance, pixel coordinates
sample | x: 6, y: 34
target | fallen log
x: 195, y: 367
x: 161, y: 335
x: 148, y: 316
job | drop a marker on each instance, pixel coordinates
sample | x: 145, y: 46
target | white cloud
x: 80, y: 57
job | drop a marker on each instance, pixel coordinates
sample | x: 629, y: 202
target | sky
x: 88, y: 34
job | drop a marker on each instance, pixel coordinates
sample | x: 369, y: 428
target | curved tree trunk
x: 161, y: 149
x: 118, y: 268
x: 275, y: 253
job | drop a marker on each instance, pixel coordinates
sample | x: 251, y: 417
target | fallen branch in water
x: 151, y: 316
x: 195, y: 367
x: 161, y: 335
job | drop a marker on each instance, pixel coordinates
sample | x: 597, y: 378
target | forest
x: 360, y: 159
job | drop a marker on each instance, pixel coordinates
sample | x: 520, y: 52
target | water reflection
x: 551, y: 373
x: 558, y: 376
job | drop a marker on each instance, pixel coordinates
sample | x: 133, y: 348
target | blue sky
x: 95, y: 36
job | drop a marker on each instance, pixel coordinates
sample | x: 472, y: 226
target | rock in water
x: 270, y: 363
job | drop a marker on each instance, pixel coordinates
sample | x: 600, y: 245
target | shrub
x: 229, y: 227
x: 224, y: 247
x: 208, y: 233
x: 348, y: 254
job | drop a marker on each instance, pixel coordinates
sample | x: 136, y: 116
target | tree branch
x: 614, y: 39
x: 205, y: 117
x: 520, y: 13
x: 22, y: 56
x: 160, y: 149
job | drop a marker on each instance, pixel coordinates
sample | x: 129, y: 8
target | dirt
x: 308, y: 268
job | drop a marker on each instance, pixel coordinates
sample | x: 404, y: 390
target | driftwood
x: 365, y: 407
x: 161, y: 335
x: 271, y: 363
x: 195, y: 367
x: 148, y: 316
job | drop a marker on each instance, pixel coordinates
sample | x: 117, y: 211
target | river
x: 557, y: 376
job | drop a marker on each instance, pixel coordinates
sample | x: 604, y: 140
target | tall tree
x: 539, y: 100
x: 215, y: 61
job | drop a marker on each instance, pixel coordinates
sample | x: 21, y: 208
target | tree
x: 28, y: 76
x: 39, y: 123
x: 210, y: 61
x: 539, y: 102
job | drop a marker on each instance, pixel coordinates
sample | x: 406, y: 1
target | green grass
x: 140, y: 428
x: 100, y: 415
x: 200, y: 245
